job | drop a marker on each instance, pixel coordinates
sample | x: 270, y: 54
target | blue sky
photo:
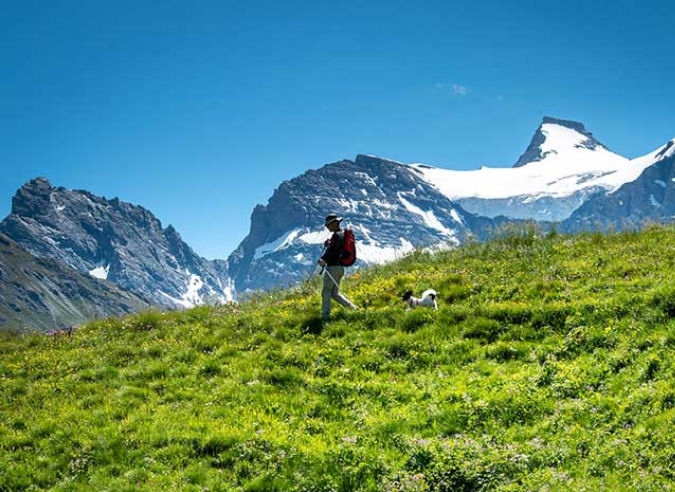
x: 198, y: 110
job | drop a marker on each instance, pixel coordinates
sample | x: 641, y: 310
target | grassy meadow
x: 549, y: 366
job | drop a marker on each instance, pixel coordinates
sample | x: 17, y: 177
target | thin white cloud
x: 460, y: 90
x: 456, y: 89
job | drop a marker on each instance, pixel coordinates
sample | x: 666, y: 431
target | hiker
x: 331, y: 262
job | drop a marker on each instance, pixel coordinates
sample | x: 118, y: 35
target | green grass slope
x: 549, y: 366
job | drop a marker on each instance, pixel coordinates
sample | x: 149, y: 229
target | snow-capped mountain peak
x: 563, y: 165
x: 560, y: 138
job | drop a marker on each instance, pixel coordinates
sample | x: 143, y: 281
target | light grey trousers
x: 331, y: 290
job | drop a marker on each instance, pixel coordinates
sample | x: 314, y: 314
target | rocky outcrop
x: 113, y: 240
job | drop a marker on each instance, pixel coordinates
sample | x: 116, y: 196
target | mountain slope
x: 390, y: 208
x: 650, y: 198
x: 548, y: 366
x: 563, y: 166
x: 113, y: 240
x: 394, y: 207
x: 41, y: 294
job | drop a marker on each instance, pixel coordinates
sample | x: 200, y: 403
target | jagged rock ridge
x: 110, y: 239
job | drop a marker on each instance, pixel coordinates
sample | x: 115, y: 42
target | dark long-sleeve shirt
x: 334, y: 249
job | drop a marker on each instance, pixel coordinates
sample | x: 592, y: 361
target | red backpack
x: 348, y: 256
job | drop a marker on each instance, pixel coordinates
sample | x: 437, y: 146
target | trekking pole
x: 311, y: 274
x: 325, y: 270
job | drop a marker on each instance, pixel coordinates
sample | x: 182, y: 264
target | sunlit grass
x: 549, y: 366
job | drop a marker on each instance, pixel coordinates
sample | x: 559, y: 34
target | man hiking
x: 332, y: 263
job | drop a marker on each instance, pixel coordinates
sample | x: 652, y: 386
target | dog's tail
x: 430, y: 293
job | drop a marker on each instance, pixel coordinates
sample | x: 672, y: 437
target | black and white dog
x: 428, y: 299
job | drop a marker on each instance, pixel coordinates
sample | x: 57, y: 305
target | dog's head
x: 407, y: 295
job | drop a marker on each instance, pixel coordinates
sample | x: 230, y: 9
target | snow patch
x: 280, y: 243
x: 373, y: 254
x: 299, y: 258
x: 456, y: 217
x: 366, y: 177
x: 349, y: 205
x: 194, y: 284
x: 428, y: 216
x: 191, y: 297
x: 100, y: 272
x: 318, y: 237
x: 654, y: 202
x: 660, y: 183
x: 561, y: 138
x: 364, y: 232
x: 228, y: 292
x: 383, y: 204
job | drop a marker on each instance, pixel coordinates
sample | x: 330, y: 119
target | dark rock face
x: 533, y: 153
x: 391, y: 209
x: 42, y: 294
x: 650, y: 198
x: 665, y: 150
x: 111, y: 239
